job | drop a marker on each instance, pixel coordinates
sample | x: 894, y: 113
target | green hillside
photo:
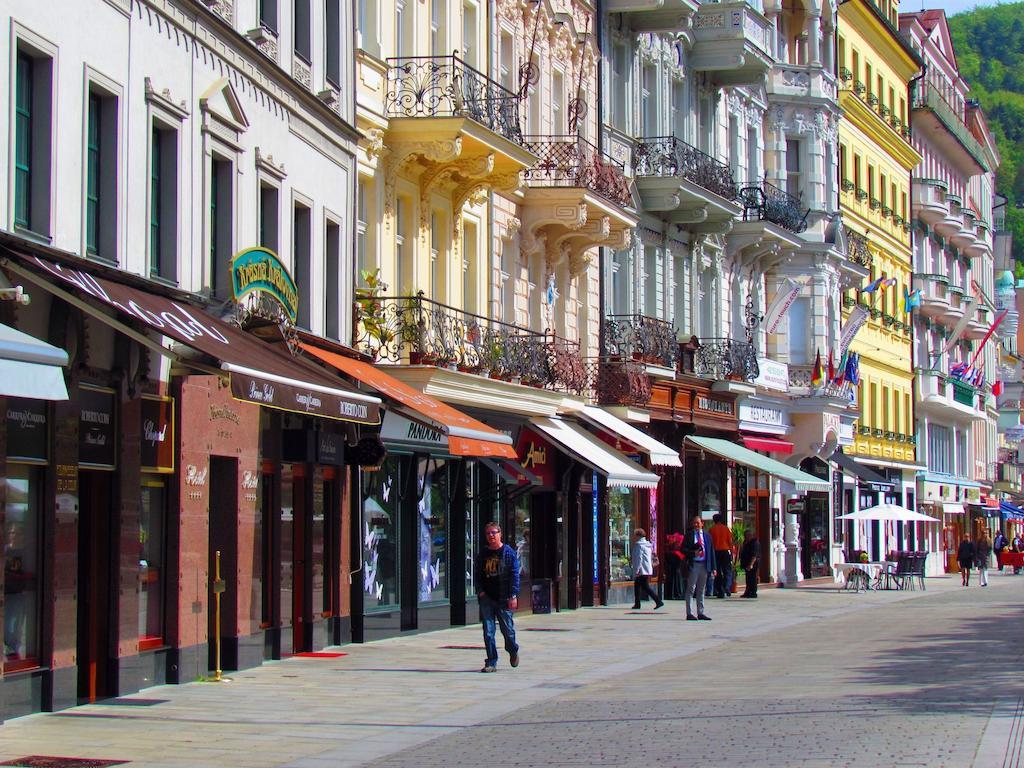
x: 990, y: 51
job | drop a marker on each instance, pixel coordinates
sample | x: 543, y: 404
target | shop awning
x: 952, y: 508
x: 466, y: 435
x: 599, y: 456
x: 1011, y: 511
x: 661, y: 454
x: 512, y: 472
x: 871, y: 479
x: 30, y: 367
x: 258, y: 372
x: 741, y: 455
x: 769, y: 444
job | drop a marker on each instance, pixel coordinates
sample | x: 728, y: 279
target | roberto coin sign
x: 258, y: 270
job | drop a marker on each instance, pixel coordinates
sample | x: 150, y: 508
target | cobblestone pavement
x: 806, y: 677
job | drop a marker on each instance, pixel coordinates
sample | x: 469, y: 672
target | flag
x: 783, y: 300
x: 997, y: 388
x: 840, y: 376
x: 854, y: 322
x: 853, y: 369
x: 958, y: 370
x: 816, y: 375
x: 872, y: 286
x: 961, y: 326
x: 889, y: 283
x: 831, y: 367
x: 989, y: 332
x: 911, y: 299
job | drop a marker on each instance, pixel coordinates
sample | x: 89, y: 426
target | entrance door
x: 96, y: 619
x: 223, y: 539
x: 764, y: 537
x: 295, y: 559
x: 814, y: 539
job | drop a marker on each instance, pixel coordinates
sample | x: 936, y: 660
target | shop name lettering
x: 96, y: 417
x: 261, y: 393
x: 152, y: 434
x: 26, y: 419
x: 309, y: 401
x: 535, y: 457
x: 715, y: 406
x: 355, y: 410
x: 181, y: 321
x: 763, y: 414
x: 195, y: 476
x: 220, y: 412
x: 249, y: 480
x: 423, y: 434
x: 270, y: 274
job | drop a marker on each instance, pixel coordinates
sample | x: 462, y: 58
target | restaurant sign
x: 259, y: 270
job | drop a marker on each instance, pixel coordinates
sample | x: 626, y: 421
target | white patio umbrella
x: 888, y: 512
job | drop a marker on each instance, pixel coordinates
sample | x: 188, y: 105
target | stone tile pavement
x: 798, y: 677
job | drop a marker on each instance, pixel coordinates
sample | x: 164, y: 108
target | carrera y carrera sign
x: 259, y: 269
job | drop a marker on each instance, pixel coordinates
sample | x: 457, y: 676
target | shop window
x: 432, y: 517
x: 152, y: 520
x: 22, y: 562
x: 520, y: 534
x: 381, y: 505
x: 621, y: 522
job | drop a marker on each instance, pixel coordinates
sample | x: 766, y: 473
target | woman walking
x: 983, y: 551
x: 641, y: 560
x: 965, y: 559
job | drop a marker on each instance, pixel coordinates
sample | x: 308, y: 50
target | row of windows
x: 370, y: 27
x: 302, y: 32
x: 873, y: 84
x: 886, y: 408
x: 872, y: 184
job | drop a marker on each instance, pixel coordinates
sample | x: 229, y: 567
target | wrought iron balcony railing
x: 641, y: 338
x: 669, y: 156
x: 801, y: 378
x: 767, y: 202
x: 572, y: 161
x: 927, y: 96
x: 857, y: 248
x: 417, y: 330
x: 726, y: 359
x: 620, y: 382
x: 446, y: 86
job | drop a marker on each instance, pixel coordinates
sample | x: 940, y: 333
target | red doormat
x: 46, y: 761
x: 319, y: 655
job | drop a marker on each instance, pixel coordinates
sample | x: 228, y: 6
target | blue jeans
x: 491, y: 612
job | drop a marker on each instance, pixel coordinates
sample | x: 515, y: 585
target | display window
x: 621, y: 522
x: 22, y: 560
x: 152, y: 559
x: 520, y: 538
x: 432, y: 521
x: 381, y: 506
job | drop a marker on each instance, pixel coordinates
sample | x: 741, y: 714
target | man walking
x: 701, y: 556
x: 721, y: 540
x: 497, y: 581
x: 999, y: 545
x: 750, y: 559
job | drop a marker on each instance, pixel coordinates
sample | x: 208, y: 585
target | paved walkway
x: 807, y: 677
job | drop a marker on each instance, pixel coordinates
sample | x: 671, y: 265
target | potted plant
x: 372, y: 312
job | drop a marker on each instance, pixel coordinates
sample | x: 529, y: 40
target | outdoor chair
x: 919, y: 561
x: 903, y: 576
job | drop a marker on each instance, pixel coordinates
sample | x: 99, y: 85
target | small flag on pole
x: 816, y: 374
x: 872, y: 286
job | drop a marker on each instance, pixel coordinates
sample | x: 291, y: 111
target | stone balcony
x: 952, y: 221
x: 789, y: 81
x: 946, y: 127
x: 929, y: 200
x: 732, y: 43
x: 934, y: 294
x: 655, y: 15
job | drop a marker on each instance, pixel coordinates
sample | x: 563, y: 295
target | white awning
x: 30, y: 367
x: 952, y: 508
x: 661, y: 454
x: 587, y: 448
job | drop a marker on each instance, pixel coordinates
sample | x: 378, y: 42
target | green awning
x: 741, y: 455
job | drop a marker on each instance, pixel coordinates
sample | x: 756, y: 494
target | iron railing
x: 926, y: 95
x: 726, y: 359
x: 619, y: 382
x: 572, y: 161
x: 446, y: 86
x: 766, y: 202
x: 669, y: 156
x: 801, y: 377
x: 417, y: 330
x: 641, y: 338
x: 857, y: 248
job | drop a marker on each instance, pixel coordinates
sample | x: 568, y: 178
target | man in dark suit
x: 700, y: 555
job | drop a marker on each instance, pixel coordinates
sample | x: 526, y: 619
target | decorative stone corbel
x: 444, y: 151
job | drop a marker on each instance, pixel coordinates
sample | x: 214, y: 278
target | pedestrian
x: 721, y: 540
x: 701, y: 556
x: 497, y: 581
x: 1016, y: 545
x: 999, y: 545
x: 983, y: 551
x: 674, y: 562
x: 641, y: 560
x: 965, y: 558
x: 750, y: 560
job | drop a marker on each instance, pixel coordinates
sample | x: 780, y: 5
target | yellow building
x: 876, y: 159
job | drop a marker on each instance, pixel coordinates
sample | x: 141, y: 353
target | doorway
x: 223, y: 539
x: 296, y: 595
x: 96, y: 617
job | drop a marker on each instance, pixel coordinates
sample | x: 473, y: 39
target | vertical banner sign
x: 837, y: 493
x: 652, y: 496
x: 596, y: 536
x: 783, y: 300
x: 858, y: 316
x: 740, y: 503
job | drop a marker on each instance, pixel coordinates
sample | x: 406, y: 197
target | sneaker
x: 690, y: 617
x: 513, y: 659
x: 489, y: 668
x: 702, y: 617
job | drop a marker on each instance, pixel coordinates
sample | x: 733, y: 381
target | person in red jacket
x: 721, y: 540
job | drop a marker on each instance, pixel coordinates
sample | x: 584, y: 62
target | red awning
x: 769, y: 444
x: 466, y: 436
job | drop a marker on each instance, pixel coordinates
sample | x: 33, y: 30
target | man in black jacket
x: 750, y: 560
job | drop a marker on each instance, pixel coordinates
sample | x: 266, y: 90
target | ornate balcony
x: 654, y: 15
x: 802, y: 80
x: 576, y: 198
x: 414, y: 330
x: 687, y: 186
x: 947, y: 127
x: 929, y: 201
x: 946, y: 397
x: 722, y: 359
x: 732, y: 43
x: 766, y: 202
x: 857, y: 249
x: 620, y: 382
x: 646, y: 340
x: 801, y: 384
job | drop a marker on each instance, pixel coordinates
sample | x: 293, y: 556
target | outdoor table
x: 858, y: 575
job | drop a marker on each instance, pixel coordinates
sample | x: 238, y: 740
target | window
x: 753, y: 167
x: 621, y: 522
x: 882, y: 188
x: 470, y: 268
x: 438, y: 39
x: 871, y: 183
x: 369, y: 39
x: 678, y: 116
x: 32, y: 129
x: 152, y: 576
x: 506, y: 51
x: 101, y: 177
x: 873, y: 405
x: 437, y: 256
x: 649, y: 101
x: 897, y: 422
x: 381, y: 512
x: 704, y: 126
x: 362, y: 249
x: 620, y: 73
x: 734, y: 146
x: 332, y: 42
x: 269, y: 217
x: 843, y: 170
x: 403, y: 248
x: 799, y: 331
x: 163, y: 203
x: 620, y: 282
x: 302, y: 250
x: 221, y: 225
x: 303, y: 30
x: 557, y: 102
x: 651, y: 281
x: 436, y: 486
x: 794, y: 177
x: 855, y: 66
x: 22, y: 563
x: 268, y: 14
x: 856, y: 172
x: 332, y: 279
x: 940, y: 449
x: 469, y: 46
x: 961, y: 454
x: 885, y: 409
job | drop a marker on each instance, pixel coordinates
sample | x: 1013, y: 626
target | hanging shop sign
x: 740, y: 502
x: 157, y: 448
x: 538, y: 456
x: 772, y: 375
x: 27, y: 433
x: 96, y: 427
x: 259, y: 271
